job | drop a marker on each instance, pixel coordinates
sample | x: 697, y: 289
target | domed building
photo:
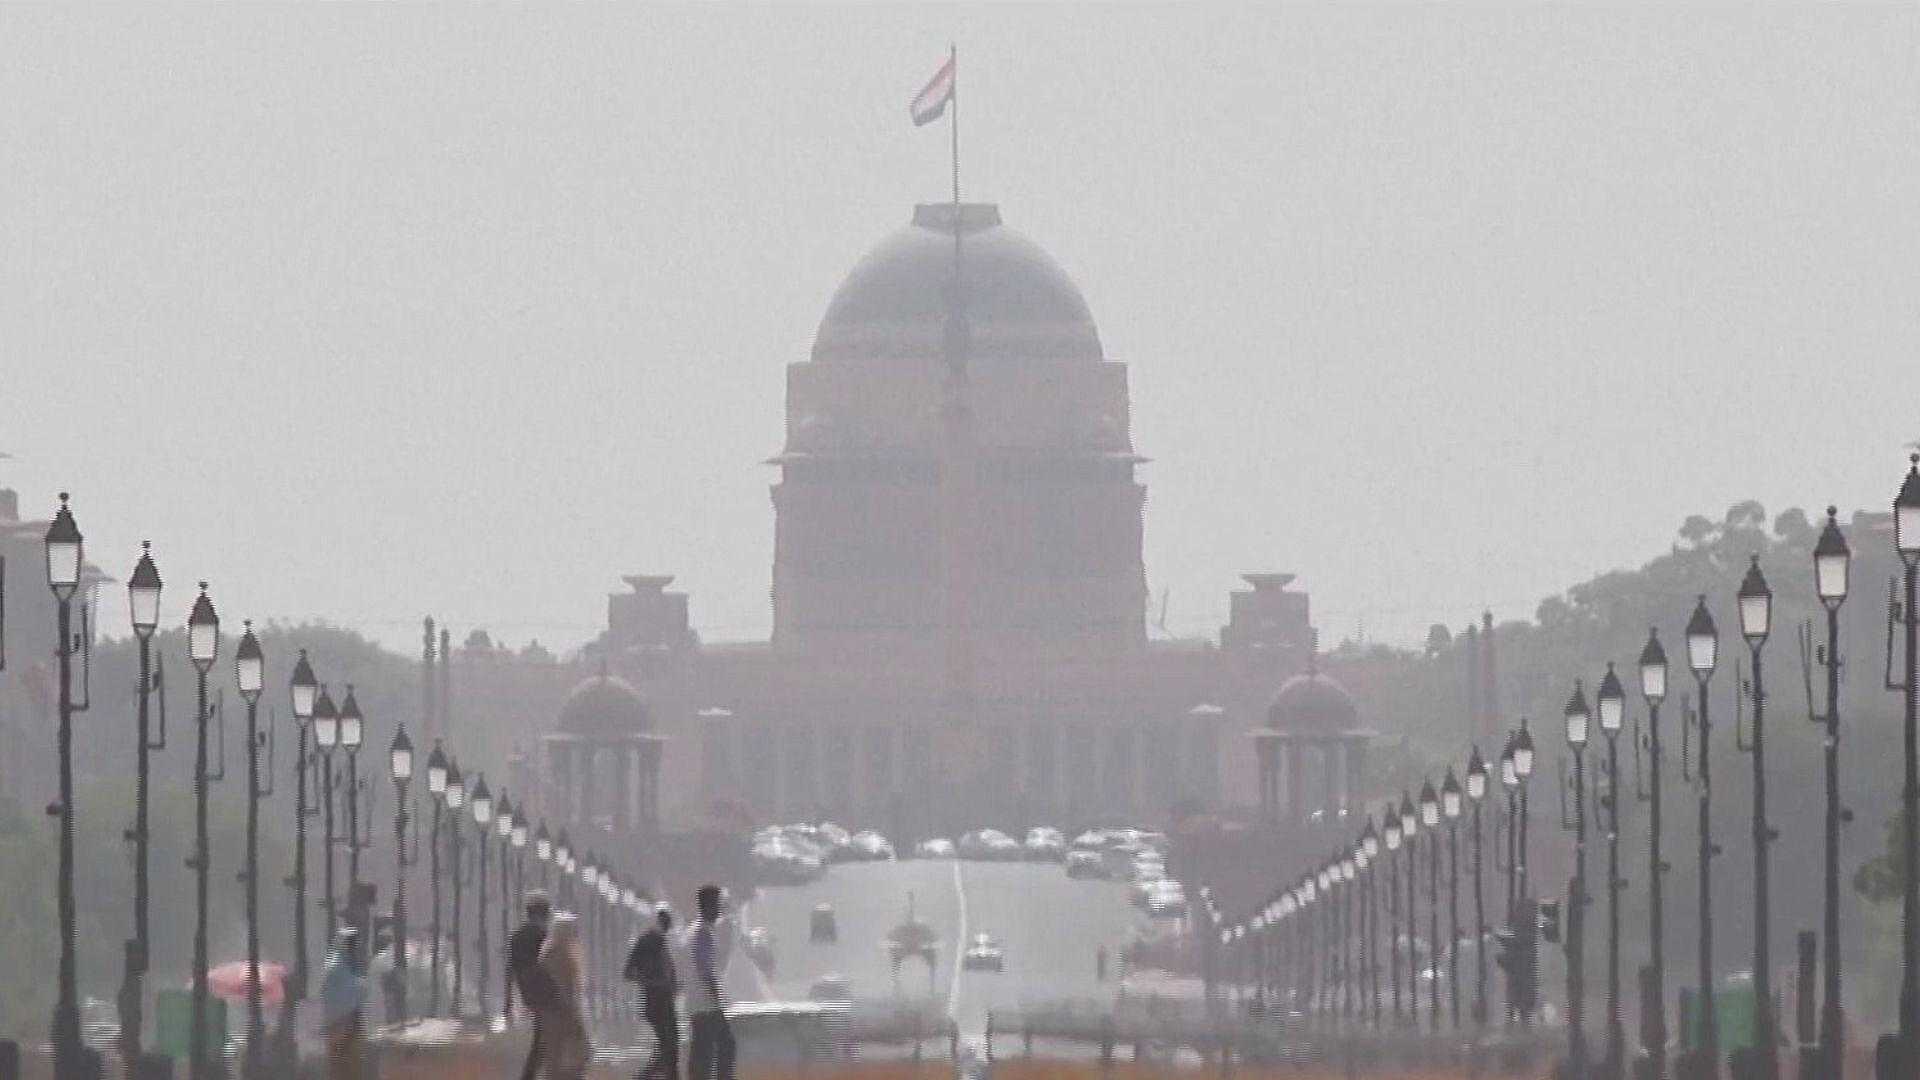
x: 959, y: 600
x: 603, y: 761
x: 1312, y: 739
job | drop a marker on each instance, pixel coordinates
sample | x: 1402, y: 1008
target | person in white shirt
x: 709, y: 947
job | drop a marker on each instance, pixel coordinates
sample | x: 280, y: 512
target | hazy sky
x: 368, y: 312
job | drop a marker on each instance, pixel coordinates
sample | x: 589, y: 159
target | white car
x: 990, y: 845
x: 1045, y: 845
x: 870, y: 846
x: 1167, y: 900
x: 937, y: 848
x: 984, y: 954
x: 1085, y: 864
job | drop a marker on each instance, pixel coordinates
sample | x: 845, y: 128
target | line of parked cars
x: 1135, y: 856
x: 801, y: 852
x: 1043, y: 843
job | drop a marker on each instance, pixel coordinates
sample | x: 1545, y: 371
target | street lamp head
x: 249, y: 664
x: 562, y: 851
x: 1361, y: 860
x: 203, y: 632
x: 1370, y: 840
x: 303, y: 688
x: 1906, y: 512
x: 437, y: 770
x: 1831, y: 559
x: 456, y: 793
x: 1756, y: 605
x: 1612, y: 701
x: 589, y: 874
x: 1429, y: 805
x: 1577, y: 717
x: 400, y: 755
x: 353, y: 726
x: 1476, y: 775
x: 1653, y: 669
x: 326, y: 722
x: 542, y: 843
x: 503, y: 816
x: 1321, y: 879
x: 482, y: 804
x: 1523, y: 752
x: 1450, y: 795
x: 1409, y: 819
x: 519, y: 837
x: 1703, y: 641
x: 64, y: 546
x: 1346, y: 868
x: 1509, y: 778
x: 143, y: 593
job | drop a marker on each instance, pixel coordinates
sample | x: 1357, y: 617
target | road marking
x: 959, y: 943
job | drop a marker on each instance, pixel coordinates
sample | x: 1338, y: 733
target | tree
x: 1438, y: 639
x: 1882, y: 878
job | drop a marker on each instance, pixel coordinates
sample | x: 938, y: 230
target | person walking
x: 650, y: 964
x: 343, y: 994
x: 709, y: 946
x: 525, y: 974
x: 563, y: 957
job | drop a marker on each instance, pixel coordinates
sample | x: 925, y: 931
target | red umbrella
x: 229, y: 980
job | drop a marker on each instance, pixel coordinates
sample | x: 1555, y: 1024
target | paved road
x: 1049, y: 924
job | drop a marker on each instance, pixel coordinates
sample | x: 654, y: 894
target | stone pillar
x: 1296, y: 781
x: 1357, y: 767
x: 650, y: 753
x: 1330, y: 758
x: 623, y: 756
x: 589, y: 758
x: 560, y: 769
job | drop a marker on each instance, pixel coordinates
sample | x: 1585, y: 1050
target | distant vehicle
x: 937, y: 848
x: 1147, y: 868
x: 1085, y: 864
x: 1091, y: 840
x: 1167, y: 900
x: 760, y: 948
x: 837, y: 843
x: 984, y: 954
x: 1045, y: 844
x: 870, y: 846
x: 832, y: 986
x: 823, y: 926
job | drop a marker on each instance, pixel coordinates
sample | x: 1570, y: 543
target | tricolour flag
x: 930, y: 103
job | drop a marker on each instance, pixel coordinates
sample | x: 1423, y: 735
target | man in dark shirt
x: 650, y: 963
x: 524, y: 972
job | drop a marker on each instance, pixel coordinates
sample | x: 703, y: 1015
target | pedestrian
x: 650, y: 964
x: 566, y: 1048
x: 343, y: 994
x: 710, y: 946
x: 525, y: 974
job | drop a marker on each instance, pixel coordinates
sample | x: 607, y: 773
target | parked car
x: 1085, y: 864
x: 984, y: 954
x: 937, y: 848
x: 1045, y: 844
x: 990, y: 845
x: 870, y: 846
x: 1167, y: 900
x: 832, y: 986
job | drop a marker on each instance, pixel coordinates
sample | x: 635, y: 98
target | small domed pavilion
x: 1312, y: 741
x: 605, y: 733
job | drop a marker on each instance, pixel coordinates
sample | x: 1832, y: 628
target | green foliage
x: 1882, y: 878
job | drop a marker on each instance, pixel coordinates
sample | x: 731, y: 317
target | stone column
x: 589, y: 758
x: 1296, y: 779
x: 623, y: 756
x: 1357, y: 768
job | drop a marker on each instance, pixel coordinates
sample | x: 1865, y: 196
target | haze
x: 372, y: 312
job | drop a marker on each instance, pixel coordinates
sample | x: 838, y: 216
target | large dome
x: 604, y: 704
x: 1313, y: 702
x: 1018, y: 302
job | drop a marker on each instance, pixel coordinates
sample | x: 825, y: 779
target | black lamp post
x: 1409, y: 835
x: 1577, y: 717
x: 1703, y: 650
x: 1612, y: 707
x: 353, y: 730
x: 436, y: 794
x: 1430, y: 821
x: 1756, y: 622
x: 1510, y: 783
x: 1477, y: 793
x: 1390, y: 831
x: 250, y: 677
x: 302, y: 689
x: 563, y: 861
x: 203, y: 646
x: 519, y: 857
x: 64, y: 562
x: 1906, y: 540
x: 326, y: 736
x: 1367, y: 858
x: 504, y: 823
x: 143, y: 599
x: 482, y: 803
x: 455, y: 797
x: 1831, y: 560
x: 1523, y: 768
x: 1653, y: 1012
x: 400, y: 764
x: 1450, y: 809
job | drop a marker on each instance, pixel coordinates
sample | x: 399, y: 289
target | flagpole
x: 953, y: 61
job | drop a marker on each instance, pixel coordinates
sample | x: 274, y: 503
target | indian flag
x: 930, y: 103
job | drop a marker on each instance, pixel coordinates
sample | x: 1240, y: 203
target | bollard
x: 1027, y: 1038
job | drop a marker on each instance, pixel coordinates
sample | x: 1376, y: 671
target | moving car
x: 984, y: 954
x: 823, y: 926
x: 870, y: 846
x: 1167, y: 900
